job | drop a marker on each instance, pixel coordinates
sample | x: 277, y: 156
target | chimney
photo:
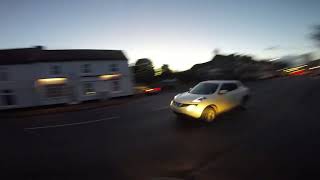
x: 38, y: 47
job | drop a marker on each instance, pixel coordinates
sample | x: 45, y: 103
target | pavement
x: 276, y: 138
x: 62, y: 108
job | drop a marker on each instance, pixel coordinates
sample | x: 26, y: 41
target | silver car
x: 209, y: 98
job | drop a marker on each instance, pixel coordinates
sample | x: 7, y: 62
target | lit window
x: 88, y: 89
x: 7, y: 98
x: 86, y: 68
x: 115, y: 85
x: 114, y: 68
x: 52, y: 81
x: 55, y: 90
x: 55, y: 70
x: 110, y: 76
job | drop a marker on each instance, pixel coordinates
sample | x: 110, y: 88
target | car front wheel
x: 208, y: 114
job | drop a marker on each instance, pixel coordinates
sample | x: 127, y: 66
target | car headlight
x: 191, y: 107
x: 199, y: 99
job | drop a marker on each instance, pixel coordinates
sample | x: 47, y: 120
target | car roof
x: 221, y: 81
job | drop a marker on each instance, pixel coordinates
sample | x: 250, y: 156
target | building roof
x: 37, y: 54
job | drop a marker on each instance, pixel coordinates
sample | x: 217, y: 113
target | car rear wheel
x: 208, y: 114
x: 244, y: 103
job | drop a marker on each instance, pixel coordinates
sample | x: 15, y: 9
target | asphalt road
x: 276, y: 138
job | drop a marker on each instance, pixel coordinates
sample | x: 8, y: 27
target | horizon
x: 177, y: 33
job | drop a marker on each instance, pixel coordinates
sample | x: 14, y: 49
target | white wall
x: 22, y: 80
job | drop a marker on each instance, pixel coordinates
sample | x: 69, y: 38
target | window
x: 55, y: 90
x: 7, y: 98
x: 114, y: 68
x: 229, y: 86
x: 86, y: 68
x: 204, y: 88
x: 115, y: 85
x: 3, y: 74
x: 88, y: 89
x: 55, y: 70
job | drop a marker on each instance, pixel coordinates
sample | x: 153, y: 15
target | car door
x: 230, y: 97
x: 237, y: 93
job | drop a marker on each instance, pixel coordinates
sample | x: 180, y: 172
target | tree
x: 143, y: 70
x: 166, y: 72
x: 316, y: 34
x: 216, y: 51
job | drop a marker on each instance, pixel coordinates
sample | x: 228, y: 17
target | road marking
x: 71, y: 124
x: 161, y: 108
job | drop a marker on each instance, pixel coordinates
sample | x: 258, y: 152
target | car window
x: 229, y: 86
x: 204, y: 88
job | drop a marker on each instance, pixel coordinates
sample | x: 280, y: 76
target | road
x: 276, y: 138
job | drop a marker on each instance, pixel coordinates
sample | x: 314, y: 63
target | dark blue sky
x: 179, y: 33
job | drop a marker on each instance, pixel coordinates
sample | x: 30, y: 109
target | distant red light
x: 298, y: 73
x: 152, y: 90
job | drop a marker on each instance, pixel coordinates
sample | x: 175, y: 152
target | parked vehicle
x: 147, y: 90
x: 150, y: 91
x: 209, y: 98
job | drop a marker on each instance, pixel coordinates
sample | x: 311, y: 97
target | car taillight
x: 152, y: 90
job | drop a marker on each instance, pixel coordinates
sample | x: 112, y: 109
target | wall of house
x: 24, y: 82
x: 20, y: 82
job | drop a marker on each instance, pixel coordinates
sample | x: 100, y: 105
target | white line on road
x: 161, y: 108
x: 72, y: 124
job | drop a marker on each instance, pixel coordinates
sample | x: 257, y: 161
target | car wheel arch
x: 213, y: 106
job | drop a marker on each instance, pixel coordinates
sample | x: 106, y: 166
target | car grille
x: 179, y: 104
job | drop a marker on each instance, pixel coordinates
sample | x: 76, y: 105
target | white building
x: 35, y: 76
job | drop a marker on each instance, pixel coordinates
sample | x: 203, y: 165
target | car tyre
x: 244, y: 103
x: 209, y: 114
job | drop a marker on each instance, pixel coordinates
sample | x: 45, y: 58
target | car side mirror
x: 223, y: 91
x: 189, y: 89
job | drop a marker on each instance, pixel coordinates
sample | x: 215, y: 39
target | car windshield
x: 204, y: 88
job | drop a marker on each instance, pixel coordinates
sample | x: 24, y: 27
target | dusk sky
x: 178, y: 33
